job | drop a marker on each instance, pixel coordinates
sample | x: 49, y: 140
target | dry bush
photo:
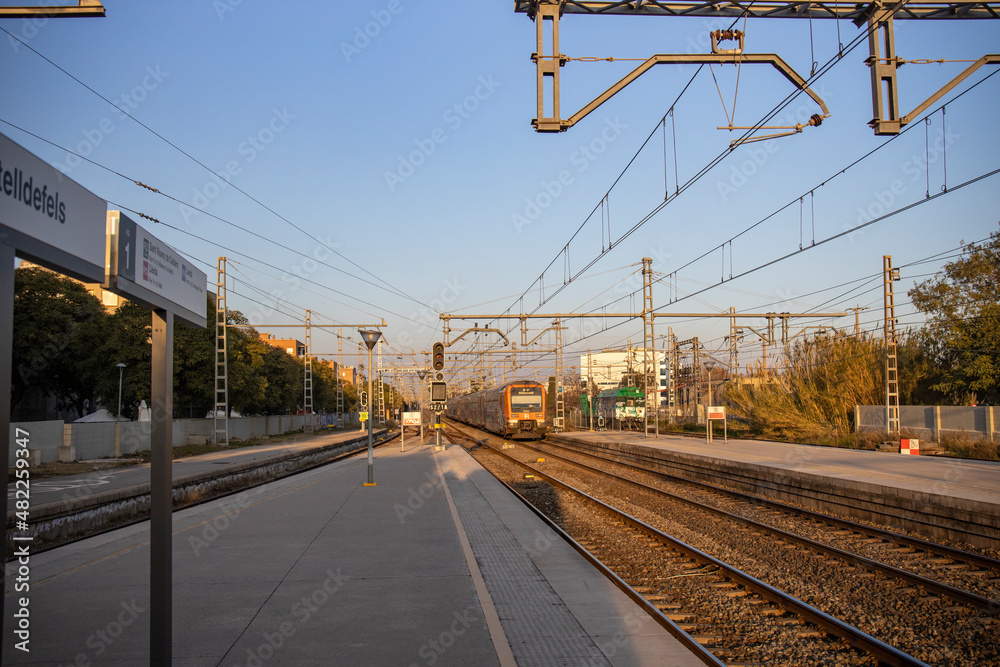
x: 967, y: 447
x: 812, y: 397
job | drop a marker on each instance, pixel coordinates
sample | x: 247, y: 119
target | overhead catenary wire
x: 201, y: 164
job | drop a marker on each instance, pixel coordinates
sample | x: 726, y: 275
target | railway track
x: 969, y: 571
x: 752, y: 593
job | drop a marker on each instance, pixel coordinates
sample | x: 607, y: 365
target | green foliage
x: 194, y: 351
x: 67, y: 346
x: 128, y: 342
x: 58, y: 329
x: 961, y: 341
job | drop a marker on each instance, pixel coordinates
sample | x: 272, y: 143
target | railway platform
x: 437, y: 564
x: 106, y: 483
x: 937, y: 497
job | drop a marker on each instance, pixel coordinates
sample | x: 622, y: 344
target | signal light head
x: 437, y: 356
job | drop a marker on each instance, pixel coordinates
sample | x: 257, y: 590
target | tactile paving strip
x: 540, y: 628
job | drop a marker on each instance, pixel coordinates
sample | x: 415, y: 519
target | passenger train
x: 617, y: 408
x: 515, y: 410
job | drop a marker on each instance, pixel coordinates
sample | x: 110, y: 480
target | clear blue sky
x: 409, y: 151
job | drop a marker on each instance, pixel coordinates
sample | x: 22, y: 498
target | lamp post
x: 370, y: 338
x: 121, y: 370
x: 422, y: 373
x: 709, y: 365
x: 118, y: 415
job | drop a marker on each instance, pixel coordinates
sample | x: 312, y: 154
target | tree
x: 127, y: 342
x: 59, y: 328
x: 194, y: 365
x: 962, y: 334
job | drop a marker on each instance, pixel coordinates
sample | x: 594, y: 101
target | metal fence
x: 96, y: 440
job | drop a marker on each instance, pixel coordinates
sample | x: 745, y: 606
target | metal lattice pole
x: 649, y: 366
x: 307, y: 389
x: 557, y: 421
x: 890, y: 275
x: 381, y: 397
x: 340, y: 379
x: 221, y: 361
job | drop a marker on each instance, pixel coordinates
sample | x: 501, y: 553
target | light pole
x: 370, y: 338
x: 709, y: 365
x: 118, y: 416
x: 422, y: 373
x: 121, y: 370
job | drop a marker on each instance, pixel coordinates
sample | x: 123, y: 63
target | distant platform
x: 935, y: 496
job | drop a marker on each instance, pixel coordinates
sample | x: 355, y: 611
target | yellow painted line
x: 500, y: 643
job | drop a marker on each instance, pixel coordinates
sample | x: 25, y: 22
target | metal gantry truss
x: 878, y: 16
x: 650, y: 362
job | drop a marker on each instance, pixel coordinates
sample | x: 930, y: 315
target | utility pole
x: 590, y: 392
x: 857, y: 320
x: 557, y: 422
x: 307, y: 379
x: 340, y: 379
x: 221, y: 361
x: 649, y: 351
x: 889, y: 276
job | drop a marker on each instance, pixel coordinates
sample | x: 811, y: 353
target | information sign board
x: 717, y: 412
x: 363, y: 416
x: 145, y: 270
x: 48, y: 217
x: 411, y: 419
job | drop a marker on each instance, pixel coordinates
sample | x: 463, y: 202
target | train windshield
x: 526, y: 399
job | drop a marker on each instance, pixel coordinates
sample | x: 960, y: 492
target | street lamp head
x: 710, y: 365
x: 370, y: 337
x: 120, y: 366
x: 422, y: 373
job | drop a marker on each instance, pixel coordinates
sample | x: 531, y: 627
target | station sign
x: 146, y: 270
x: 717, y: 412
x: 48, y: 217
x: 411, y: 419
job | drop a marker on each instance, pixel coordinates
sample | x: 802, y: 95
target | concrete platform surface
x: 962, y: 478
x: 55, y: 489
x: 933, y: 496
x: 435, y: 565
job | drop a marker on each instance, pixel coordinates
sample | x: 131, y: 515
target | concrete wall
x: 44, y: 436
x: 929, y: 422
x: 97, y: 440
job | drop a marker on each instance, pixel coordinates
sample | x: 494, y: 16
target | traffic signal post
x: 439, y: 392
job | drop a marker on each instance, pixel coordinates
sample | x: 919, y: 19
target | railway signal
x: 437, y: 356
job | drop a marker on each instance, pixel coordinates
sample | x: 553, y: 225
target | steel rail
x: 978, y: 560
x: 957, y: 594
x: 854, y: 636
x: 670, y: 626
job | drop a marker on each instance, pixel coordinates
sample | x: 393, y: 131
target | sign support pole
x: 6, y: 367
x: 161, y: 491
